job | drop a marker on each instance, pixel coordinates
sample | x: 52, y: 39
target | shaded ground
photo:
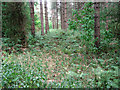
x: 55, y: 57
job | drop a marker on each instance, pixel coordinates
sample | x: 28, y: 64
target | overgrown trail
x: 58, y: 52
x: 61, y: 55
x: 57, y: 57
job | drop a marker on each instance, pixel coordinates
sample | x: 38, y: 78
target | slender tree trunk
x: 107, y: 16
x: 97, y: 24
x: 53, y: 19
x: 75, y: 5
x: 63, y: 10
x: 119, y: 28
x: 2, y: 13
x: 32, y: 17
x: 79, y: 5
x: 57, y: 14
x: 61, y: 17
x: 66, y: 25
x: 41, y: 15
x: 1, y: 21
x: 46, y: 18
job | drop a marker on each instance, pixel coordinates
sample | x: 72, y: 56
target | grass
x: 59, y: 59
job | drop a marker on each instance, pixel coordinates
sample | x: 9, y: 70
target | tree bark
x: 0, y: 21
x: 106, y: 16
x: 63, y: 14
x: 53, y: 19
x: 41, y: 15
x: 75, y: 5
x: 119, y: 28
x: 61, y: 17
x: 46, y: 18
x: 97, y: 24
x: 57, y: 14
x: 78, y: 4
x: 66, y: 25
x: 32, y: 17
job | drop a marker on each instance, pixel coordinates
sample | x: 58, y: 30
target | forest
x: 60, y: 44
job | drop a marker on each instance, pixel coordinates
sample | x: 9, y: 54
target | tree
x: 107, y: 17
x: 0, y: 22
x: 41, y: 15
x: 61, y: 15
x: 66, y: 25
x: 46, y: 18
x: 14, y: 22
x: 79, y: 5
x: 57, y: 14
x: 75, y: 3
x: 63, y: 10
x: 53, y: 18
x: 119, y: 25
x: 32, y: 17
x: 97, y: 24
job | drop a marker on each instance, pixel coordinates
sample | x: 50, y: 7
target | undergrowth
x: 60, y: 60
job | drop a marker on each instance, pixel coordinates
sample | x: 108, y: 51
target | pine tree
x: 61, y: 15
x: 41, y: 15
x: 32, y: 17
x: 53, y: 18
x: 97, y: 24
x: 46, y: 18
x: 107, y: 17
x: 66, y: 25
x: 57, y: 14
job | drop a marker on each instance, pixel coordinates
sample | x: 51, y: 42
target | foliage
x: 32, y: 68
x: 37, y: 22
x: 84, y: 22
x: 16, y: 23
x: 16, y: 74
x: 50, y: 24
x: 82, y: 19
x: 60, y: 59
x: 11, y: 12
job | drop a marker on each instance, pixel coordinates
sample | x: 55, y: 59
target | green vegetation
x: 61, y: 58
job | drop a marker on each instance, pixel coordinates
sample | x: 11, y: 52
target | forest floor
x: 55, y: 57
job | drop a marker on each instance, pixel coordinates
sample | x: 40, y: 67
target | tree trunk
x: 61, y: 17
x: 32, y: 17
x: 1, y: 21
x: 57, y: 14
x: 41, y: 15
x: 53, y: 19
x: 66, y: 25
x: 119, y: 28
x: 97, y: 24
x: 107, y: 16
x: 63, y: 14
x: 75, y: 5
x: 79, y: 6
x: 46, y: 18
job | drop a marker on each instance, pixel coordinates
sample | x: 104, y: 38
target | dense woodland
x: 65, y: 45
